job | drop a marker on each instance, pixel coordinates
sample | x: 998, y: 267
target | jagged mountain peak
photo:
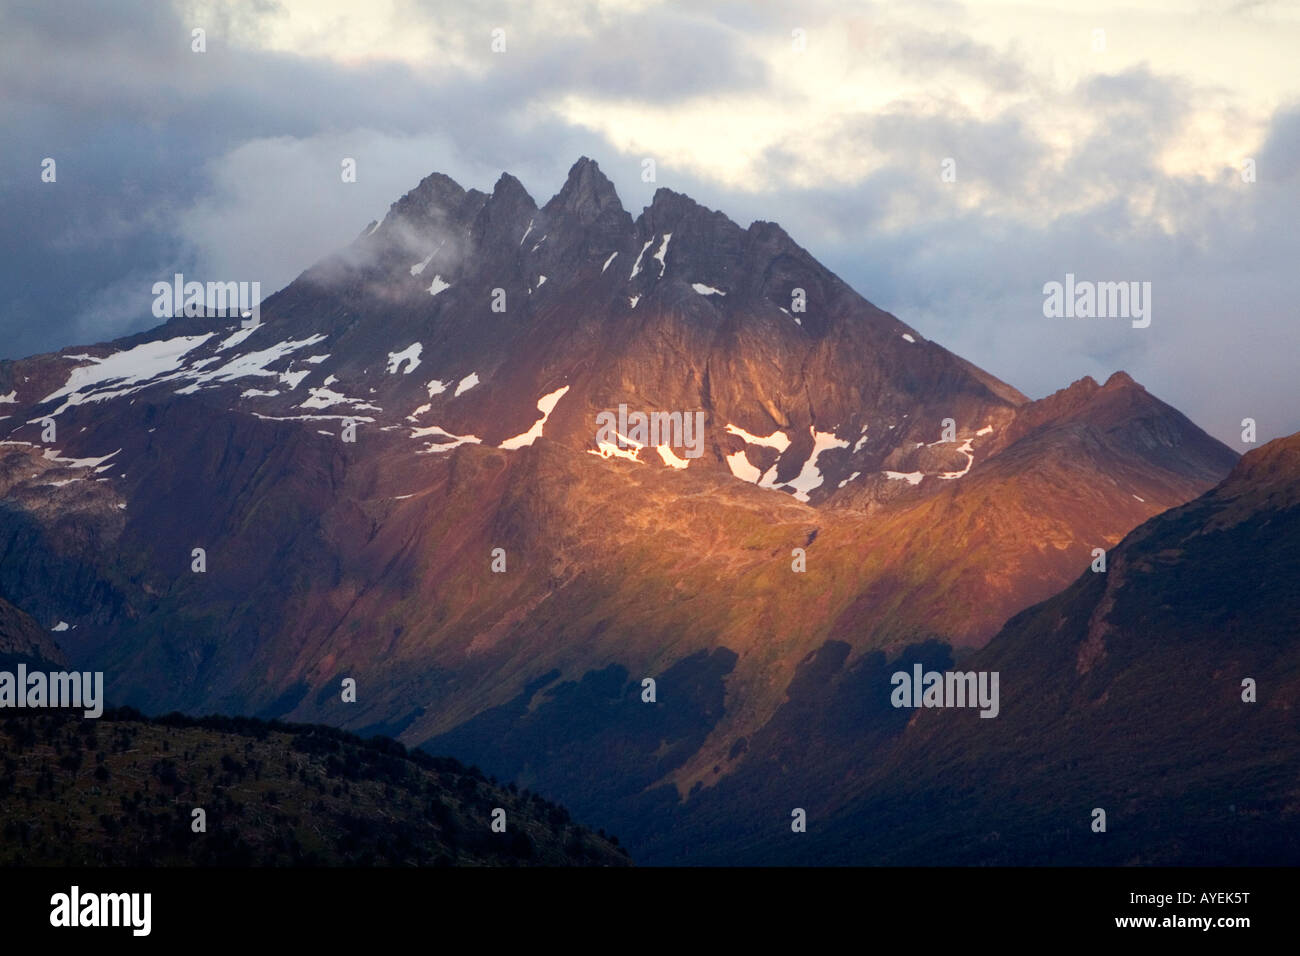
x: 669, y: 197
x: 510, y: 189
x: 668, y: 209
x: 1084, y: 392
x: 494, y: 294
x: 437, y: 194
x: 1121, y: 379
x: 586, y: 194
x: 437, y: 184
x: 1087, y: 386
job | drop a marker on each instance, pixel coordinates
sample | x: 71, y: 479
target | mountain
x: 122, y: 791
x: 1125, y: 692
x: 855, y: 486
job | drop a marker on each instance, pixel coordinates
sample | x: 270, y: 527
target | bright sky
x: 976, y: 60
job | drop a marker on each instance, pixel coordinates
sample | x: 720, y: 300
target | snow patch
x: 251, y: 363
x: 410, y: 354
x: 703, y: 289
x: 437, y: 447
x: 130, y: 367
x: 238, y: 337
x: 61, y: 626
x: 51, y: 454
x: 742, y: 469
x: 911, y: 477
x: 778, y: 439
x: 607, y: 262
x: 546, y: 404
x: 636, y: 266
x: 324, y: 398
x: 466, y: 383
x: 670, y: 457
x: 663, y: 250
x: 966, y: 450
x: 809, y: 477
x: 419, y: 266
x: 294, y: 379
x: 10, y: 399
x: 908, y: 337
x: 437, y: 285
x: 312, y: 418
x: 435, y: 388
x: 634, y: 300
x: 607, y: 449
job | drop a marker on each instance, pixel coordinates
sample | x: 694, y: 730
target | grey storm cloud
x: 662, y: 57
x: 141, y: 134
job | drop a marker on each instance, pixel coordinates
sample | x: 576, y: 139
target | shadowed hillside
x: 122, y: 790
